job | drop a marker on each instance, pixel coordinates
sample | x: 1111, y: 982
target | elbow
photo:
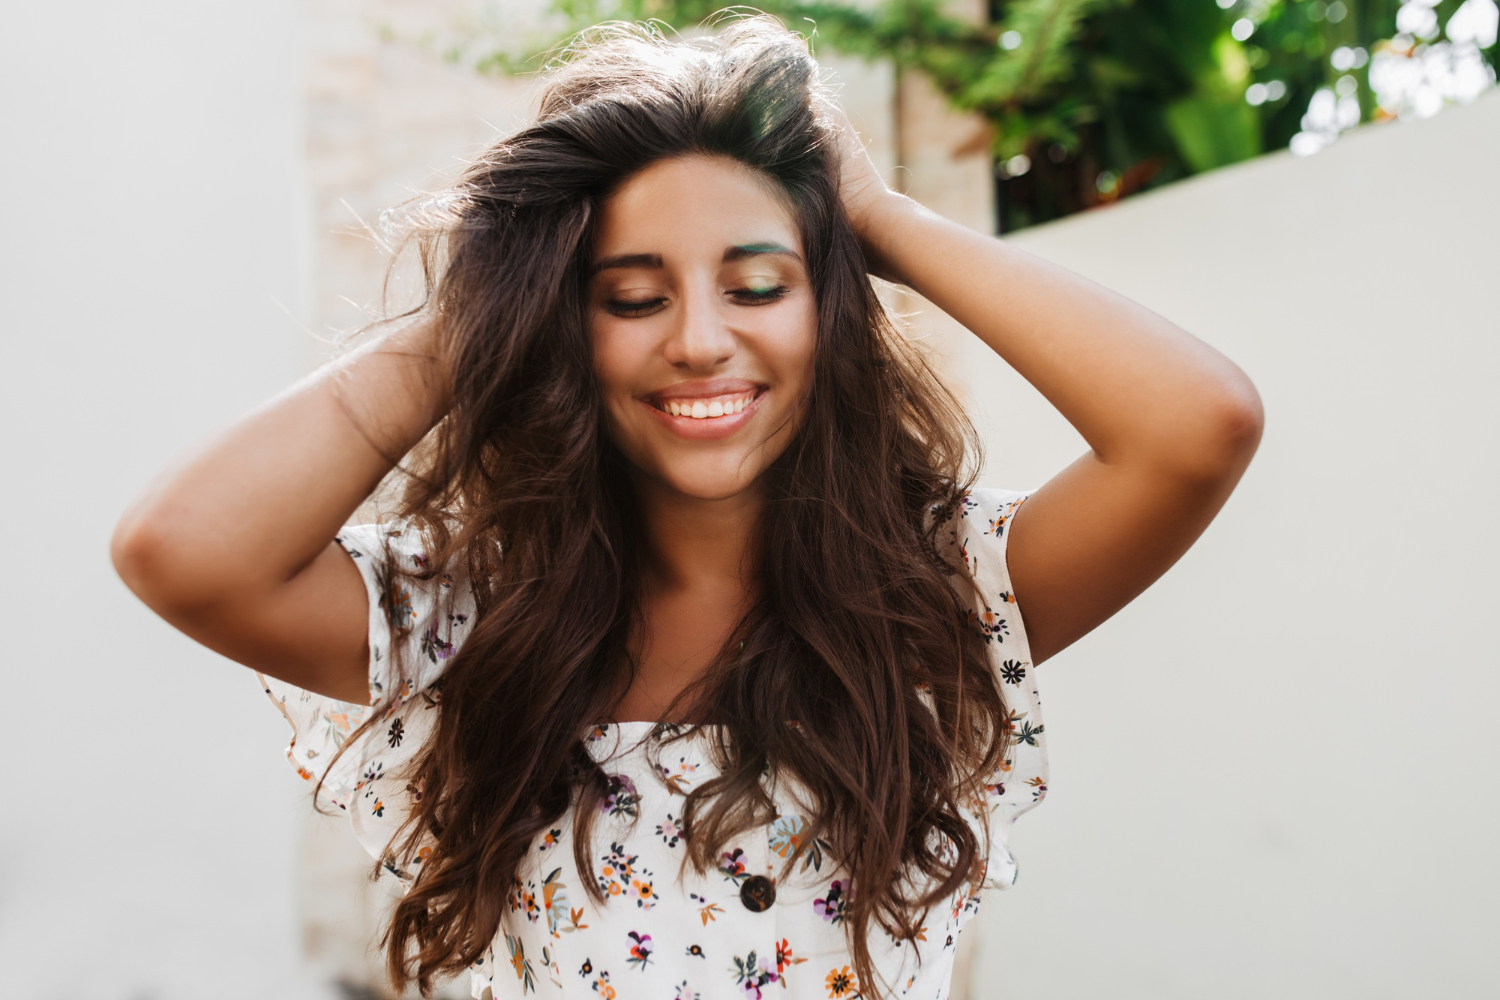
x: 135, y: 549
x: 1217, y: 437
x: 1241, y: 419
x: 142, y: 552
x: 1227, y: 432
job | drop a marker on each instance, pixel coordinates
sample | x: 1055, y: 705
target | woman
x: 694, y: 667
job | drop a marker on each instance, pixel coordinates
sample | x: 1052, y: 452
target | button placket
x: 759, y: 893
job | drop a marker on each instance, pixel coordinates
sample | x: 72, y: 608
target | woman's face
x: 703, y: 322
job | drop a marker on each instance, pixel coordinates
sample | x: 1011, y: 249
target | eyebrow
x: 654, y: 261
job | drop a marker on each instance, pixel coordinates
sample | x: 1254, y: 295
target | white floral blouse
x: 664, y: 933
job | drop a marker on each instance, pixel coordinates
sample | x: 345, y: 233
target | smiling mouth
x: 707, y: 407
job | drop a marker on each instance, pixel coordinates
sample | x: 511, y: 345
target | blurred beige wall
x: 154, y: 260
x: 1274, y: 774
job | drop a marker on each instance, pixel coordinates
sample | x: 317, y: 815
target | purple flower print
x: 832, y: 906
x: 622, y: 799
x: 640, y: 950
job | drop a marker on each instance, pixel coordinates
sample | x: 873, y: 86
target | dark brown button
x: 758, y: 893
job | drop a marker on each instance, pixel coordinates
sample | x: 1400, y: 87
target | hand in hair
x: 861, y: 188
x: 1171, y: 423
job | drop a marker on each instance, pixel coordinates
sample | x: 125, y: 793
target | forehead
x: 694, y: 205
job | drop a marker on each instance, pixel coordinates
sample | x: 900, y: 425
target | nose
x: 700, y: 339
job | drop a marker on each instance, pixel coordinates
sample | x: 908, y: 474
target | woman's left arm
x: 1170, y: 422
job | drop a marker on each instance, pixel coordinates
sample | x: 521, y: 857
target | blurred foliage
x: 1092, y: 100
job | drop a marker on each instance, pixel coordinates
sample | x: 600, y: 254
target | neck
x: 695, y: 544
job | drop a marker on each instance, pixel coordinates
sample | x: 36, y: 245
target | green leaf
x: 1212, y: 131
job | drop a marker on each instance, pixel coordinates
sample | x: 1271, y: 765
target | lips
x: 706, y: 409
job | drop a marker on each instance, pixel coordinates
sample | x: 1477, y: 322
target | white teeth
x: 700, y: 410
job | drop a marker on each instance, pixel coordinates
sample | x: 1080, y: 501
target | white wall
x: 1275, y: 773
x: 153, y: 248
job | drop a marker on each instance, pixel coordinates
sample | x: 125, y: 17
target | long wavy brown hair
x: 854, y: 673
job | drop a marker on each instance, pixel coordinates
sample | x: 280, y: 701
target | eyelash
x: 757, y: 298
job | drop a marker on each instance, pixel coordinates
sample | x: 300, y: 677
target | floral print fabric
x: 748, y: 929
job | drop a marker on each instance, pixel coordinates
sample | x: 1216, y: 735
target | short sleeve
x: 977, y: 538
x: 415, y: 627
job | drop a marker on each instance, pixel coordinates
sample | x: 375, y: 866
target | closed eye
x: 640, y: 308
x: 759, y: 296
x: 742, y: 296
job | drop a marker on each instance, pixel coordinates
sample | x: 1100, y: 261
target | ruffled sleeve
x: 415, y: 628
x: 978, y: 535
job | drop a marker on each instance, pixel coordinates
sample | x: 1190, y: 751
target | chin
x: 708, y: 481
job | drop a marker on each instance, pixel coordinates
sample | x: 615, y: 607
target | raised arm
x: 234, y: 545
x: 1170, y: 422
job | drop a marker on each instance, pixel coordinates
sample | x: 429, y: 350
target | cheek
x: 615, y: 367
x: 615, y: 358
x: 793, y: 346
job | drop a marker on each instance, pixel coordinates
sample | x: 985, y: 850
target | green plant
x: 1093, y: 100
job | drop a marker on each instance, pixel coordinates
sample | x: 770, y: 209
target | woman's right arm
x: 233, y: 545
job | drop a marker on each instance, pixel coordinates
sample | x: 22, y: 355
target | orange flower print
x: 619, y: 876
x: 523, y: 899
x: 841, y: 983
x: 785, y: 959
x: 708, y: 911
x: 992, y: 626
x: 521, y: 964
x: 791, y: 834
x: 561, y: 918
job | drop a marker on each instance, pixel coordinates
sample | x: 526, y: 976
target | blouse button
x: 758, y: 893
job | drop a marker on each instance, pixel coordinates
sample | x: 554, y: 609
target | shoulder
x: 420, y: 613
x: 974, y: 531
